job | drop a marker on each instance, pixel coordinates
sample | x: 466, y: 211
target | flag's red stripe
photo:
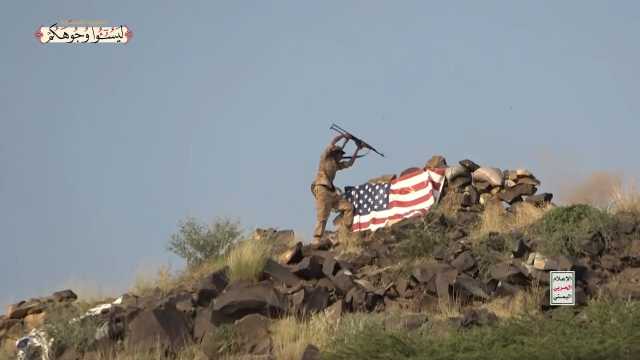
x: 409, y: 189
x: 417, y: 187
x: 406, y: 176
x: 365, y: 225
x: 414, y: 202
x: 439, y: 171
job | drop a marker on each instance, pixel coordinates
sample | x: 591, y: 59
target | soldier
x: 325, y: 193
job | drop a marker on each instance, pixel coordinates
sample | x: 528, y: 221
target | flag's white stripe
x: 414, y: 180
x: 393, y: 211
x: 411, y: 196
x: 385, y: 223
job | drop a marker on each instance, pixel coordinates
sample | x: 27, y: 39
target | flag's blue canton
x: 368, y: 197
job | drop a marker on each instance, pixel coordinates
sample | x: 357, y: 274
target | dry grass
x: 350, y: 242
x: 596, y: 190
x: 448, y: 309
x: 449, y: 203
x: 495, y: 218
x: 189, y: 352
x: 291, y: 335
x: 145, y: 281
x: 625, y: 199
x: 523, y: 303
x: 247, y: 259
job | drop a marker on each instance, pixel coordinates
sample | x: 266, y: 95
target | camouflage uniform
x: 326, y: 195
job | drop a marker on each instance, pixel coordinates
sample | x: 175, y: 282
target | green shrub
x: 64, y: 326
x: 490, y: 249
x: 605, y: 330
x: 247, y: 259
x: 565, y: 230
x: 195, y: 242
x: 419, y: 238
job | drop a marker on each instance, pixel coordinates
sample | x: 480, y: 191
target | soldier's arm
x: 336, y: 139
x: 347, y: 164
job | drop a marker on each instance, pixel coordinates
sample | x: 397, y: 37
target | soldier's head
x: 337, y: 153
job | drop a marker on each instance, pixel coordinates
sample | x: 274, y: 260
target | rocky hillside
x: 479, y: 260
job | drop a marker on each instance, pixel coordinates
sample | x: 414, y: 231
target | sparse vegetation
x: 605, y: 330
x: 421, y: 237
x: 564, y: 230
x: 292, y: 335
x: 625, y: 199
x: 490, y: 249
x: 196, y: 242
x: 247, y: 259
x: 63, y: 324
x: 496, y: 219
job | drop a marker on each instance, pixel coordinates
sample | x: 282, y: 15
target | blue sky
x: 221, y: 109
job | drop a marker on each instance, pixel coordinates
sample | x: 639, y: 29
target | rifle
x: 358, y: 141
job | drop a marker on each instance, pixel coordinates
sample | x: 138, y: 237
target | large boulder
x: 163, y: 324
x: 281, y: 274
x: 253, y: 335
x: 210, y: 287
x: 490, y: 175
x: 309, y: 300
x: 238, y: 301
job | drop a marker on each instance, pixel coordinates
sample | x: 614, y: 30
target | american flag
x: 381, y: 204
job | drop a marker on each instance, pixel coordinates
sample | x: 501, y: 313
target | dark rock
x: 410, y: 170
x: 626, y: 285
x: 311, y: 353
x: 460, y: 182
x: 469, y: 165
x: 480, y: 317
x: 467, y: 218
x: 464, y: 261
x: 356, y: 299
x: 202, y: 324
x: 482, y: 186
x: 510, y: 195
x: 253, y: 335
x: 456, y: 234
x: 210, y: 287
x: 519, y: 248
x: 436, y: 161
x: 237, y: 302
x: 627, y: 223
x: 593, y: 246
x: 439, y: 252
x: 280, y: 273
x: 24, y: 308
x: 64, y: 296
x: 162, y: 325
x: 327, y: 284
x: 309, y: 268
x: 539, y: 199
x: 330, y: 267
x: 611, y: 263
x: 405, y: 321
x: 471, y: 197
x: 334, y: 311
x: 402, y: 285
x: 343, y: 282
x: 311, y: 300
x: 444, y: 280
x: 294, y: 255
x: 508, y: 272
x: 471, y: 286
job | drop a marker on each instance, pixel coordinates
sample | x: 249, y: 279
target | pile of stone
x: 24, y: 316
x: 313, y: 278
x: 480, y: 184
